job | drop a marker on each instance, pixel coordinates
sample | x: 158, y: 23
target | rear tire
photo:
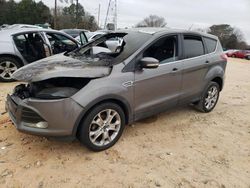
x: 102, y: 127
x: 8, y: 65
x: 209, y: 98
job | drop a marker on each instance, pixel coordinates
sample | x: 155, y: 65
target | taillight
x: 224, y: 57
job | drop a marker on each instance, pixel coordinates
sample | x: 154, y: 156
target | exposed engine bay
x: 55, y: 88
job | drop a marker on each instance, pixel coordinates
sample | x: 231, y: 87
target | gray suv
x: 92, y: 94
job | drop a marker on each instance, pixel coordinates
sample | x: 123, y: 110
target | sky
x: 177, y: 13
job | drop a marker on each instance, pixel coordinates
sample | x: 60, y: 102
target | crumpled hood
x: 60, y: 66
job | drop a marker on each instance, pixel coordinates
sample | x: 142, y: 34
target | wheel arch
x: 113, y: 99
x: 13, y: 56
x: 215, y: 74
x: 219, y: 81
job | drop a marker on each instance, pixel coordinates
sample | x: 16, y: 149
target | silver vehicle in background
x: 92, y: 96
x: 74, y: 32
x: 112, y: 44
x: 21, y: 46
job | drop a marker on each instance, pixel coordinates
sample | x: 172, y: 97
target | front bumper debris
x: 52, y: 118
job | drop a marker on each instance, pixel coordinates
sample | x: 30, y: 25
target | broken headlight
x: 21, y: 91
x: 56, y: 93
x: 55, y: 88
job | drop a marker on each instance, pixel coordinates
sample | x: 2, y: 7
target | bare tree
x: 230, y: 37
x: 152, y: 21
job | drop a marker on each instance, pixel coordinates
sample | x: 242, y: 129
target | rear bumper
x: 60, y: 115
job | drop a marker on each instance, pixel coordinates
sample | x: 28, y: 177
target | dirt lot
x: 180, y: 148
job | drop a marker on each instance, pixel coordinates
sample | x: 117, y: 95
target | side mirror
x: 149, y: 63
x: 83, y: 38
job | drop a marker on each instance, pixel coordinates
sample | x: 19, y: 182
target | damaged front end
x: 45, y: 107
x: 54, y: 88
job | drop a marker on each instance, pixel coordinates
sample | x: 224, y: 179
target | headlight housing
x: 55, y: 88
x: 56, y: 93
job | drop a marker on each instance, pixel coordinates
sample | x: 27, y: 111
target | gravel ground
x: 180, y: 148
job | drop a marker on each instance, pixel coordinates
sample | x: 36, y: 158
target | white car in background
x: 113, y: 44
x: 20, y: 26
x: 19, y: 47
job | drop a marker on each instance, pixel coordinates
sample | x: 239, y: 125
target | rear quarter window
x: 193, y: 46
x: 210, y: 44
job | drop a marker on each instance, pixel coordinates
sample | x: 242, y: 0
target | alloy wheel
x: 211, y: 98
x: 7, y: 68
x: 104, y: 127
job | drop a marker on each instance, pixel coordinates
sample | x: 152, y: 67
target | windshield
x: 107, y: 53
x: 89, y: 34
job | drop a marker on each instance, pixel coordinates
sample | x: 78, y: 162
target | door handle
x: 207, y: 62
x: 174, y: 70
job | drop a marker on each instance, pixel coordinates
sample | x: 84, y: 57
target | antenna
x: 111, y: 16
x: 99, y: 10
x: 190, y: 27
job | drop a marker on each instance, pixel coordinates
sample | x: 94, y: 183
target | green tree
x: 30, y: 12
x: 8, y: 12
x: 67, y: 18
x: 25, y: 12
x: 43, y: 13
x: 74, y: 15
x: 89, y: 23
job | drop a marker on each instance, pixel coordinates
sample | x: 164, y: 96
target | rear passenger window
x: 211, y: 44
x: 193, y: 46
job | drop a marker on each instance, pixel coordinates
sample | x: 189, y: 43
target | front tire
x: 102, y: 127
x: 209, y: 98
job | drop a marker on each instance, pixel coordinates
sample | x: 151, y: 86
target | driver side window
x: 60, y: 43
x: 165, y: 50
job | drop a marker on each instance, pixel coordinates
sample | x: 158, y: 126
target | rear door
x: 31, y: 45
x: 195, y: 67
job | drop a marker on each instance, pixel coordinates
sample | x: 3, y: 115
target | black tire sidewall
x: 13, y: 60
x: 83, y: 131
x: 211, y: 84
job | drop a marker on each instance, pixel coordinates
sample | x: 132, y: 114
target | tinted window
x: 211, y: 44
x: 165, y: 50
x: 193, y: 46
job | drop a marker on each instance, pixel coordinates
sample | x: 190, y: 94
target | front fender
x: 104, y: 89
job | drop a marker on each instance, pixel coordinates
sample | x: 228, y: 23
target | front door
x: 158, y: 89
